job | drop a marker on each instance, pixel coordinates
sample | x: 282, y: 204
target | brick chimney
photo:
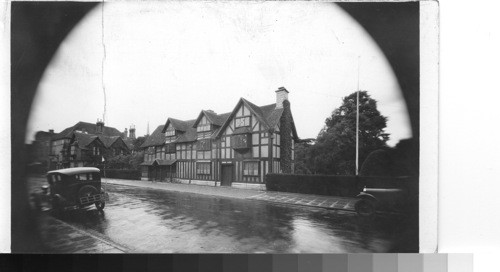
x: 99, y: 126
x: 281, y: 95
x: 132, y: 132
x: 125, y: 134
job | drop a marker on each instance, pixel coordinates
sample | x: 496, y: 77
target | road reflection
x: 146, y: 220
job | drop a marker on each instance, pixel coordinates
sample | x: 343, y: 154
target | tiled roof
x: 130, y: 143
x: 159, y: 162
x: 214, y: 118
x: 90, y: 128
x: 268, y: 115
x: 190, y: 133
x: 165, y: 162
x: 179, y: 124
x: 157, y: 138
x: 83, y: 139
x: 108, y: 141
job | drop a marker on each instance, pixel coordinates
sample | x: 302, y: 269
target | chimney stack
x: 99, y: 126
x: 125, y: 134
x: 281, y: 95
x: 51, y: 131
x: 132, y: 132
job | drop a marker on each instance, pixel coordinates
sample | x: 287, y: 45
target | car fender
x: 367, y: 196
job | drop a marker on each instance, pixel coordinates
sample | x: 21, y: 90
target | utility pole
x: 357, y: 125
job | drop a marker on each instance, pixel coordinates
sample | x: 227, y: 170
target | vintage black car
x: 75, y: 188
x: 373, y: 200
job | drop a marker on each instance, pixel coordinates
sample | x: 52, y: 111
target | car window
x: 83, y: 177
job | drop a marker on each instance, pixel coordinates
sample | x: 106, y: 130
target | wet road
x: 147, y: 220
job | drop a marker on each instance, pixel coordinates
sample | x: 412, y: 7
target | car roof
x: 75, y: 170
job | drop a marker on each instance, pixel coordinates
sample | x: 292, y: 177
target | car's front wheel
x: 365, y: 207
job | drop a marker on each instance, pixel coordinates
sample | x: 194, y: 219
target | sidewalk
x: 60, y: 237
x: 328, y: 202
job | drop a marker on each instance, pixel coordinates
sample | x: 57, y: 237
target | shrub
x: 345, y: 186
x: 122, y: 174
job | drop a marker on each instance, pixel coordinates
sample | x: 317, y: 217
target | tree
x: 138, y: 142
x: 335, y: 148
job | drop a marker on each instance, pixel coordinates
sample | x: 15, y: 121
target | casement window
x: 73, y: 150
x: 204, y: 145
x: 170, y: 148
x: 203, y: 168
x: 251, y: 168
x: 203, y: 127
x: 242, y: 121
x: 203, y: 135
x: 96, y: 150
x: 241, y: 141
x: 170, y: 131
x: 182, y: 151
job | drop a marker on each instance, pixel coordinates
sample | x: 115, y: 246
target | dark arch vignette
x: 38, y: 28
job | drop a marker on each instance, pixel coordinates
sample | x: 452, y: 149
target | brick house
x: 237, y: 148
x: 85, y: 144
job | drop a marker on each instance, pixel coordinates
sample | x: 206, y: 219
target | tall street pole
x: 357, y: 125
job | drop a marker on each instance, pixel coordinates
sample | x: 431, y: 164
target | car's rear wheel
x: 365, y: 207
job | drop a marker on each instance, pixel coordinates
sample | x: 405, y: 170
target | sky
x: 140, y: 63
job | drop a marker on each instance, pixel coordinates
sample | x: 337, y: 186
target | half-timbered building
x: 237, y: 148
x: 70, y: 147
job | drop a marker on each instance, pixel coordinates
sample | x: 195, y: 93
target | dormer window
x: 203, y: 125
x: 242, y: 121
x: 170, y: 132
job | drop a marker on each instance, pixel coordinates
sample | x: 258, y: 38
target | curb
x: 253, y: 197
x: 94, y: 236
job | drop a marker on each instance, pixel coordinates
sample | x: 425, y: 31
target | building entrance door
x: 226, y: 175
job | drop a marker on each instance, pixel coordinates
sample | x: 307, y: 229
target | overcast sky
x: 159, y: 60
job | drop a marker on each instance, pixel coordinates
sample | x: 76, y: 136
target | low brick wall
x: 346, y: 186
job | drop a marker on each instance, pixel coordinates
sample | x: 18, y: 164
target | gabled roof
x: 159, y: 162
x: 157, y: 138
x: 177, y: 124
x: 108, y: 141
x: 90, y: 128
x: 262, y: 114
x: 213, y: 118
x: 83, y: 139
x: 269, y: 116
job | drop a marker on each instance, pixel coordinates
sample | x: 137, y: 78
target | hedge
x: 121, y: 174
x: 346, y: 186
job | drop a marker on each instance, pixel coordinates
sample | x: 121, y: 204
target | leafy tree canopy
x: 335, y: 149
